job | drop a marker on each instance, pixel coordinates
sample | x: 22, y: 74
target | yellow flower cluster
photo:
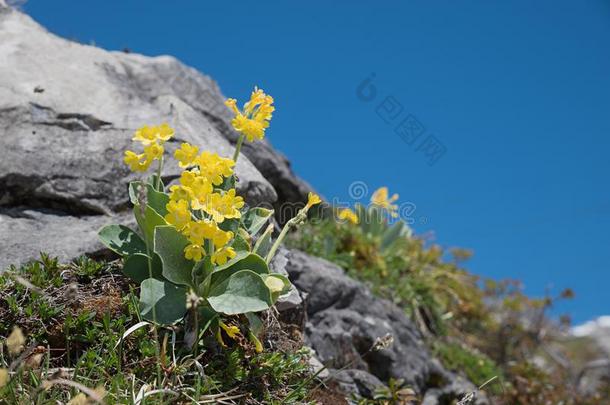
x: 381, y: 198
x: 348, y: 215
x: 152, y: 138
x: 255, y: 116
x: 196, y: 193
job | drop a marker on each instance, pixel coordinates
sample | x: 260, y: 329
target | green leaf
x: 278, y: 285
x: 241, y: 241
x: 167, y: 299
x: 136, y: 267
x: 392, y: 234
x: 148, y: 221
x: 152, y: 180
x: 121, y: 240
x: 255, y: 219
x: 241, y: 292
x: 156, y: 199
x: 264, y: 242
x: 242, y: 261
x: 229, y: 224
x: 169, y: 245
x: 255, y: 322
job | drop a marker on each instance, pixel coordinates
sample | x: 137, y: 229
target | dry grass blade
x: 130, y: 331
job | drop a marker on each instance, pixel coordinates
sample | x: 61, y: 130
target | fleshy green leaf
x: 241, y: 241
x: 148, y: 221
x: 156, y: 199
x: 136, y: 267
x: 255, y: 219
x: 264, y: 242
x: 392, y: 234
x: 167, y: 299
x: 169, y: 245
x: 278, y: 284
x: 242, y: 261
x: 244, y: 291
x: 121, y: 240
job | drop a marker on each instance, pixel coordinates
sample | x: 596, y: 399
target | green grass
x: 74, y: 316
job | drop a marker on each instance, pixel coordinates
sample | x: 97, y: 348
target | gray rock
x: 67, y: 114
x: 64, y: 236
x: 354, y: 382
x: 347, y: 326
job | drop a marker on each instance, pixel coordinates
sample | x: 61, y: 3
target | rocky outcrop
x: 350, y: 329
x: 67, y: 114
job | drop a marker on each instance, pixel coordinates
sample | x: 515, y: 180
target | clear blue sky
x: 517, y: 92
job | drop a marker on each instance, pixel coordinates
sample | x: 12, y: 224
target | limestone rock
x: 348, y: 325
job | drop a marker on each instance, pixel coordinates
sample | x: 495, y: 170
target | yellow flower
x: 348, y: 215
x: 137, y: 163
x: 178, y: 214
x: 187, y: 178
x: 198, y: 231
x: 153, y: 151
x: 147, y: 135
x: 178, y: 193
x: 202, y: 188
x: 3, y: 377
x: 15, y: 341
x: 186, y: 155
x: 232, y: 331
x: 381, y: 199
x: 214, y: 167
x: 223, y: 255
x: 223, y: 206
x: 164, y: 132
x: 194, y: 252
x: 255, y: 117
x: 221, y: 238
x: 312, y: 199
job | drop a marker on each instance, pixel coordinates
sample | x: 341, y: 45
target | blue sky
x: 517, y: 94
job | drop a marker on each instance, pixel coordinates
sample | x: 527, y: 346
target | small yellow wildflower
x: 224, y: 206
x: 232, y: 331
x: 381, y: 199
x: 3, y: 377
x: 198, y: 231
x: 153, y: 151
x: 312, y: 199
x: 15, y: 341
x: 179, y: 193
x: 221, y: 238
x: 187, y: 177
x: 147, y: 135
x: 214, y: 167
x: 137, y: 163
x: 223, y: 255
x: 186, y: 155
x: 348, y: 215
x: 202, y: 188
x: 255, y: 117
x: 194, y: 252
x: 178, y: 214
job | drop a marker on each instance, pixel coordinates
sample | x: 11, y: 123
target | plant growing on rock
x: 194, y: 250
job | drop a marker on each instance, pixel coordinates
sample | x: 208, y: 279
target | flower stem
x: 158, y: 179
x: 299, y: 218
x: 240, y: 141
